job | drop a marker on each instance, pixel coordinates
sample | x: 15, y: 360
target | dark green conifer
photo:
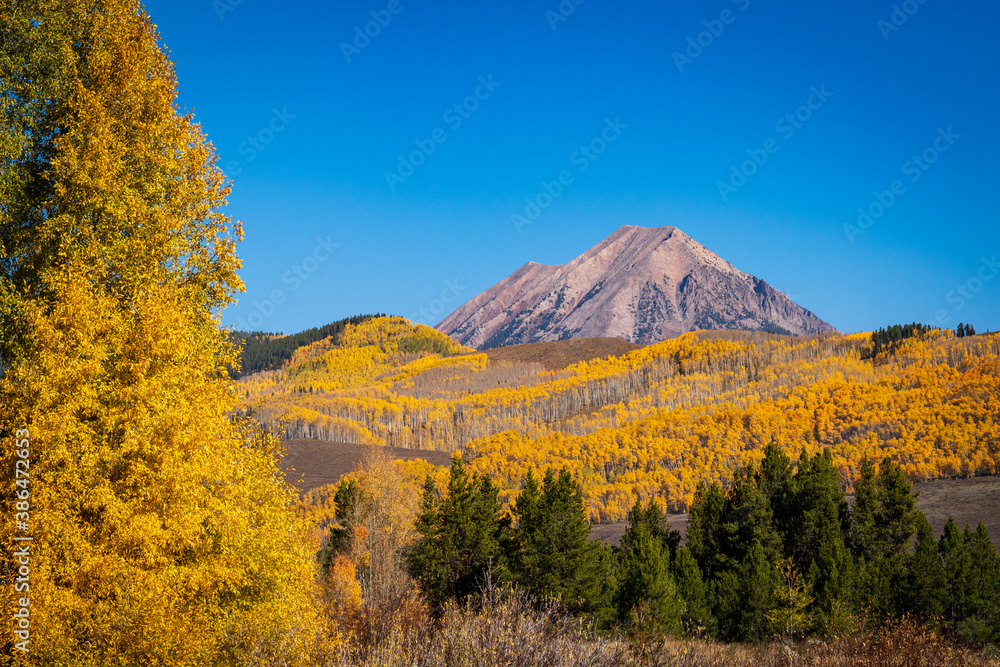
x: 555, y: 557
x: 884, y: 518
x: 647, y: 592
x: 461, y: 538
x: 926, y: 585
x: 757, y: 579
x: 817, y: 544
x: 778, y: 484
x: 704, y: 530
x: 983, y: 624
x: 749, y: 520
x: 863, y: 538
x: 696, y: 616
x: 346, y: 502
x: 956, y: 559
x: 878, y: 586
x: 897, y: 518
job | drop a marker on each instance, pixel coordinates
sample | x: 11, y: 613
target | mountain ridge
x: 641, y: 284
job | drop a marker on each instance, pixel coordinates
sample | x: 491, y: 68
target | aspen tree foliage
x: 656, y: 421
x: 162, y: 532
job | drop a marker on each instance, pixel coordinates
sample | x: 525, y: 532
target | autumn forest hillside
x: 653, y: 421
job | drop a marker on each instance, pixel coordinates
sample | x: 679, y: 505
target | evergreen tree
x: 817, y: 544
x: 889, y: 338
x: 461, y: 538
x: 696, y: 616
x: 346, y: 502
x: 555, y: 557
x: 971, y: 573
x: 426, y: 557
x: 778, y: 484
x: 897, y: 517
x: 960, y: 330
x: 746, y: 598
x: 926, y: 584
x: 956, y: 560
x: 654, y: 519
x: 527, y: 515
x: 885, y: 515
x: 983, y: 623
x: 863, y: 538
x: 647, y: 587
x: 704, y: 530
x: 882, y: 523
x: 734, y: 540
x: 749, y: 520
x: 879, y: 584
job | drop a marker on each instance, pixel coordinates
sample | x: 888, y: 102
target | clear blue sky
x: 896, y: 89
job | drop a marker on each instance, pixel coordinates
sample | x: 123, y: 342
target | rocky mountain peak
x: 641, y: 284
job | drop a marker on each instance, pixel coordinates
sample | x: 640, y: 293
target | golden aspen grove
x: 655, y: 422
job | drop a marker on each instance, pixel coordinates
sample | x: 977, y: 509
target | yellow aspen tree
x: 160, y: 530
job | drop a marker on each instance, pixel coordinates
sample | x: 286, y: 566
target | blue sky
x: 309, y: 117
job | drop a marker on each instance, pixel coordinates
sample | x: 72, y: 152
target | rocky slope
x: 639, y: 284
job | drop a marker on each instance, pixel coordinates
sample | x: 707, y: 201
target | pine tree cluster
x: 889, y: 338
x: 779, y: 552
x: 263, y: 351
x: 964, y: 330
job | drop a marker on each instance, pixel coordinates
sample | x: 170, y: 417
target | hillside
x: 640, y: 284
x: 557, y: 355
x: 653, y: 421
x: 263, y: 351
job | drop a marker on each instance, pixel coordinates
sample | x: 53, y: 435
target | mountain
x: 640, y: 284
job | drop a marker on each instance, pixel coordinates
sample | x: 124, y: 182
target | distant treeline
x: 889, y: 338
x: 264, y: 351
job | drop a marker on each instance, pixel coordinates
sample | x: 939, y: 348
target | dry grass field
x: 968, y: 500
x: 311, y: 463
x: 557, y: 355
